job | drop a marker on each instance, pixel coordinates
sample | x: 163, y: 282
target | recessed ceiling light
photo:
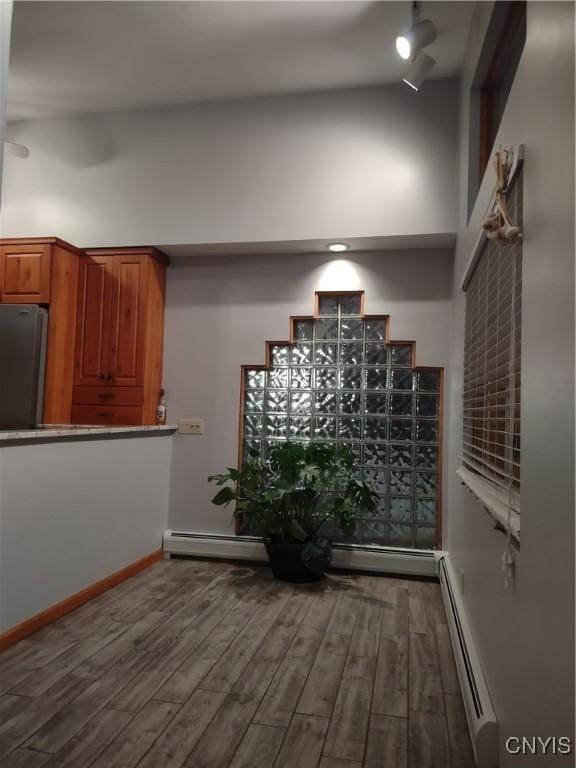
x: 338, y: 247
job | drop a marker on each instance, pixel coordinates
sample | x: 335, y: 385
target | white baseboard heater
x: 408, y: 562
x: 479, y: 712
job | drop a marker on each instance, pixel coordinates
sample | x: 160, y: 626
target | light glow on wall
x: 339, y: 275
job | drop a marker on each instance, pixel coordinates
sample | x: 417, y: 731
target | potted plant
x: 292, y: 498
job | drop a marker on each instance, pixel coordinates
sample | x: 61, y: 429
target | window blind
x: 492, y: 375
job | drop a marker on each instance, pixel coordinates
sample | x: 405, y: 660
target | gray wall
x: 72, y: 513
x: 525, y: 634
x: 219, y: 313
x: 358, y: 162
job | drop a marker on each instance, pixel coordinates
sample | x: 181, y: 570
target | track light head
x: 420, y: 34
x: 419, y: 68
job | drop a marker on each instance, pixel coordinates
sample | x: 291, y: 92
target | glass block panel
x: 400, y: 455
x: 301, y: 378
x: 376, y: 402
x: 351, y: 328
x: 375, y: 429
x: 300, y: 427
x: 276, y: 401
x: 327, y: 305
x: 426, y: 431
x: 376, y: 378
x: 279, y: 355
x: 254, y: 400
x: 375, y: 330
x: 350, y: 402
x: 400, y: 509
x: 400, y: 430
x: 375, y: 532
x: 326, y: 328
x: 349, y: 428
x: 278, y: 378
x: 400, y: 535
x: 426, y: 510
x: 349, y: 305
x: 303, y: 329
x: 428, y: 381
x: 401, y: 355
x: 427, y: 405
x: 252, y: 425
x: 275, y: 426
x: 426, y: 457
x: 300, y: 402
x: 383, y: 509
x: 351, y: 378
x: 375, y: 453
x: 326, y: 378
x: 325, y: 427
x: 401, y: 379
x: 349, y: 538
x: 376, y: 354
x: 326, y: 354
x: 400, y: 482
x: 255, y: 379
x: 425, y: 537
x: 301, y: 354
x: 378, y: 479
x: 351, y: 353
x: 426, y: 484
x: 325, y: 402
x: 251, y: 448
x: 401, y: 404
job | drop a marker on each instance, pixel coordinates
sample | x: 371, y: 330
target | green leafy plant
x: 294, y: 495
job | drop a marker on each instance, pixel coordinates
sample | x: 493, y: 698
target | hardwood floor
x: 211, y: 665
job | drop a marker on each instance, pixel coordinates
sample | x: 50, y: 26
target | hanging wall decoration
x: 499, y: 224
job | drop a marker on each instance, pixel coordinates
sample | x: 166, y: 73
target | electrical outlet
x: 191, y: 426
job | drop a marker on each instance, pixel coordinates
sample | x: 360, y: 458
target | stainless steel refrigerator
x: 23, y: 329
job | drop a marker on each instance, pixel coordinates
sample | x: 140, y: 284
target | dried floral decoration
x: 498, y: 224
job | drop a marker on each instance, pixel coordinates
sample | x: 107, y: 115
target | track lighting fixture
x: 409, y: 47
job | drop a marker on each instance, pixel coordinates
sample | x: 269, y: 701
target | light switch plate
x: 191, y: 426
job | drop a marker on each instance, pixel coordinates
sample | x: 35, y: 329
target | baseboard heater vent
x: 408, y: 562
x: 479, y: 713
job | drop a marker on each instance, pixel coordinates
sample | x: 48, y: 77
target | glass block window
x: 342, y: 382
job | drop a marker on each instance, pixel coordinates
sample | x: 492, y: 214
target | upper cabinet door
x: 25, y: 274
x: 128, y: 320
x: 95, y: 287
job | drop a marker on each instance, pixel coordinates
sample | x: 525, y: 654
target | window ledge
x: 493, y: 500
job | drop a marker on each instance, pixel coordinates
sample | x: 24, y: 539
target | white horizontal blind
x: 492, y: 376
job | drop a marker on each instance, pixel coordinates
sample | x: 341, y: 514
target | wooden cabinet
x: 45, y: 271
x: 119, y: 335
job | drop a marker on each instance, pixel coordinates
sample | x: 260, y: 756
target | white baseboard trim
x: 408, y: 562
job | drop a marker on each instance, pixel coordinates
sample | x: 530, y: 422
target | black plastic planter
x: 286, y: 561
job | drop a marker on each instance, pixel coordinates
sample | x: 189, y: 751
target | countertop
x: 71, y: 431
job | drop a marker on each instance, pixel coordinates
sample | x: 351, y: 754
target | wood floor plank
x: 391, y: 683
x: 128, y: 748
x: 428, y: 741
x: 346, y: 738
x: 172, y: 748
x: 461, y: 750
x: 395, y: 611
x: 25, y: 758
x: 343, y: 620
x: 303, y: 742
x: 280, y: 701
x: 367, y: 630
x: 221, y: 739
x: 450, y: 682
x: 90, y: 740
x: 309, y: 636
x: 64, y: 725
x: 278, y: 640
x: 321, y: 688
x: 424, y: 683
x: 334, y: 762
x: 421, y: 620
x: 11, y: 705
x: 387, y: 742
x: 259, y: 747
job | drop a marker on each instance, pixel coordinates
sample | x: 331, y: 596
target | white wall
x: 526, y: 634
x: 5, y: 30
x: 73, y: 513
x: 358, y: 162
x: 220, y: 311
